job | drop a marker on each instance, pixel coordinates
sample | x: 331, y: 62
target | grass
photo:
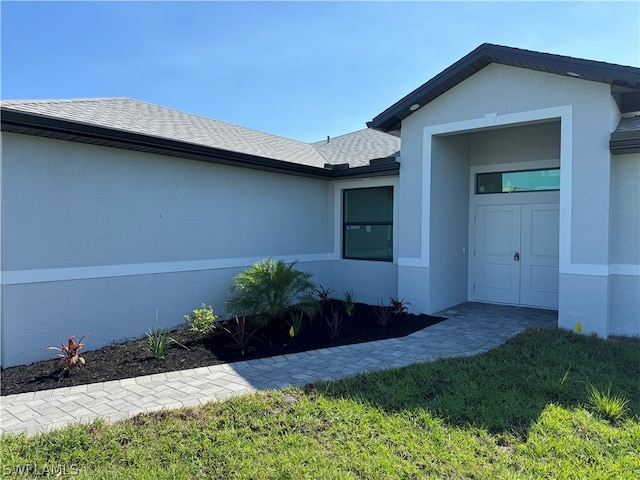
x: 520, y: 411
x: 610, y: 407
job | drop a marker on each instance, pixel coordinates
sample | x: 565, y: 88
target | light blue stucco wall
x: 95, y: 239
x: 625, y: 209
x: 76, y: 205
x: 625, y: 245
x: 524, y: 143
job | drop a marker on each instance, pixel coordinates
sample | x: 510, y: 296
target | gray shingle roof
x: 629, y: 124
x: 359, y: 147
x: 626, y: 137
x: 128, y: 115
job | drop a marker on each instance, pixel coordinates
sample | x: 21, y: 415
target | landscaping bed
x: 133, y: 358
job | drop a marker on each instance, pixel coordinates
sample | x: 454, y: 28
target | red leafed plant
x: 71, y: 353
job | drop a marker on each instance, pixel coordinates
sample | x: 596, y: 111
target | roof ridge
x: 59, y: 100
x: 339, y: 136
x: 8, y: 103
x: 358, y: 148
x: 320, y: 143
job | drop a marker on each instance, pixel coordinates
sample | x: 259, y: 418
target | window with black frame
x: 367, y: 232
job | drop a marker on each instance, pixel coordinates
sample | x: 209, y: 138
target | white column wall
x: 449, y: 231
x: 501, y: 94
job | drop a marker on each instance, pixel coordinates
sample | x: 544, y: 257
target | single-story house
x: 511, y: 177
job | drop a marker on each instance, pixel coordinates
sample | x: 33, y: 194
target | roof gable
x: 625, y: 80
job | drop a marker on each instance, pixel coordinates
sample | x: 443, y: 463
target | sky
x: 302, y: 70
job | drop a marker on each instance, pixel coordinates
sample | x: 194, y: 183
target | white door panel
x: 516, y: 254
x: 497, y: 239
x: 539, y: 255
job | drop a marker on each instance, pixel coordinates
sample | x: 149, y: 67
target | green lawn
x: 522, y: 410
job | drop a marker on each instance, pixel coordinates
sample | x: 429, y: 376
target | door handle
x: 516, y: 256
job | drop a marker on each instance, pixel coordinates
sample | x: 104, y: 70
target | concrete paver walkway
x: 471, y: 328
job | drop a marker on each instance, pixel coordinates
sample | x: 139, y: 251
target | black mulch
x: 132, y: 358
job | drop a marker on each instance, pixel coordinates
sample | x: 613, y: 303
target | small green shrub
x: 349, y: 303
x: 158, y: 339
x: 269, y: 290
x: 607, y: 406
x: 202, y: 321
x: 157, y: 342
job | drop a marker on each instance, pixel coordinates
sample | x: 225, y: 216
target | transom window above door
x: 521, y: 181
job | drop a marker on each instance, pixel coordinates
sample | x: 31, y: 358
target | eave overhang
x: 377, y: 168
x: 626, y: 80
x: 625, y: 142
x: 43, y: 126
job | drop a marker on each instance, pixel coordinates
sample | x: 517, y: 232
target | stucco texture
x: 75, y: 205
x: 504, y: 90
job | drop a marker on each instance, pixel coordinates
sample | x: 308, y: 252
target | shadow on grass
x: 506, y: 389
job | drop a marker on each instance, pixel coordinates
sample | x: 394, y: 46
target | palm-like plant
x: 269, y: 290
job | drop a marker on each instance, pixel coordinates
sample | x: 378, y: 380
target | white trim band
x: 17, y: 277
x: 571, y: 269
x: 412, y: 262
x: 600, y: 270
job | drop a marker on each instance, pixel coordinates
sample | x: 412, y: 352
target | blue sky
x: 302, y: 70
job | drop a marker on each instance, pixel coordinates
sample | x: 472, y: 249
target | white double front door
x: 516, y: 254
